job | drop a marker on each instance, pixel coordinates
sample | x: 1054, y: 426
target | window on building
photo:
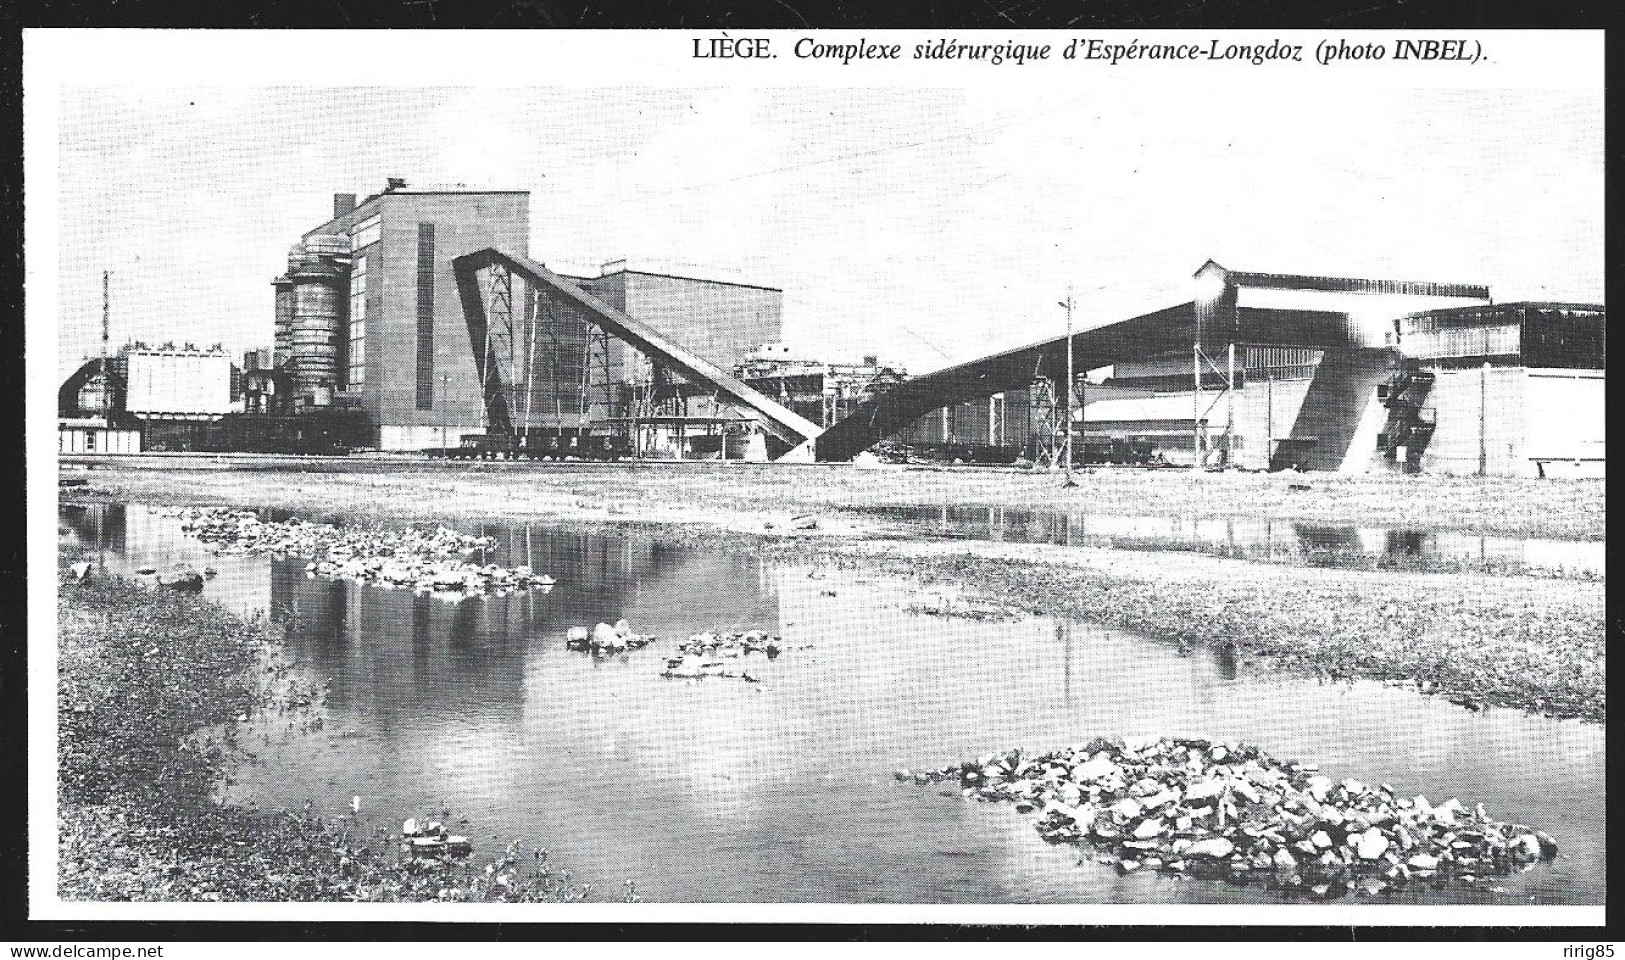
x: 357, y: 365
x: 366, y: 233
x: 425, y: 356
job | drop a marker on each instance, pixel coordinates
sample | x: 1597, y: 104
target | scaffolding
x: 1048, y: 430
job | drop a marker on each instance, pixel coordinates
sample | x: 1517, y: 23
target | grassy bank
x: 150, y: 685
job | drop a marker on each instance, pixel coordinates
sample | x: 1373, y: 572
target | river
x: 719, y: 790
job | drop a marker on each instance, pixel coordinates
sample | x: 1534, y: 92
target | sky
x: 926, y: 225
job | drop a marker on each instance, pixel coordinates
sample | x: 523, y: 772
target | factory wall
x: 393, y: 389
x: 163, y: 382
x: 1525, y: 421
x: 722, y: 322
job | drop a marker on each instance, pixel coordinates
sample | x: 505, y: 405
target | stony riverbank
x: 437, y: 561
x: 151, y: 687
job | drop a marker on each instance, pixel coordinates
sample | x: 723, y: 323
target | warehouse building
x: 1511, y: 389
x: 1283, y: 371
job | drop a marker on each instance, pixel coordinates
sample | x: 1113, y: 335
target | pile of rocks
x: 1230, y: 811
x: 697, y: 656
x: 437, y: 561
x: 731, y: 644
x: 428, y: 838
x: 604, y: 640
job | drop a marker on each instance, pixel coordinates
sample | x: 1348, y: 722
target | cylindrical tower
x: 319, y: 269
x: 283, y: 342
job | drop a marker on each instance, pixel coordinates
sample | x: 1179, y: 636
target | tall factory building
x: 368, y: 318
x: 368, y: 313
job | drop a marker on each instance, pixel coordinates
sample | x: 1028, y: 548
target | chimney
x: 343, y: 203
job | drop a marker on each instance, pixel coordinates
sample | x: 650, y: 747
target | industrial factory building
x: 369, y: 317
x: 415, y: 320
x: 1280, y: 371
x: 147, y: 398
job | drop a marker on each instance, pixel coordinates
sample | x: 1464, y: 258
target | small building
x: 94, y: 435
x: 90, y: 411
x: 1509, y: 389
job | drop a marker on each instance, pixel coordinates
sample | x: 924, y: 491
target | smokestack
x: 343, y: 203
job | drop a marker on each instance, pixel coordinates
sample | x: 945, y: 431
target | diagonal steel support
x: 777, y: 420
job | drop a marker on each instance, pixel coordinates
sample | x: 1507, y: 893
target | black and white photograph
x: 1020, y: 477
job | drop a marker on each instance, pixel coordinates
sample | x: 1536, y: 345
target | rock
x: 1321, y: 840
x: 189, y: 582
x: 1148, y: 828
x: 1284, y: 860
x: 1096, y: 768
x: 1127, y: 808
x: 1371, y: 844
x: 1160, y: 799
x: 81, y: 570
x: 1424, y: 861
x: 1127, y: 866
x: 902, y: 773
x: 1216, y: 848
x: 1245, y: 790
x: 1526, y: 846
x: 623, y: 629
x: 1204, y: 789
x: 1548, y: 845
x: 409, y: 828
x: 146, y: 570
x: 604, y: 635
x: 577, y: 636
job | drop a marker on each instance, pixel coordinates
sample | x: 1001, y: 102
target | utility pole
x: 445, y: 404
x: 1067, y: 419
x: 106, y: 314
x: 1230, y: 405
x: 1196, y: 406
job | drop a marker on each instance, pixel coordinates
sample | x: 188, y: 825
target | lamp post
x: 1067, y: 419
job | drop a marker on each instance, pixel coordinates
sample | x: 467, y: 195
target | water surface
x: 1289, y: 541
x: 720, y: 790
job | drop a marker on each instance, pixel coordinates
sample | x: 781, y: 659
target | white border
x: 231, y: 59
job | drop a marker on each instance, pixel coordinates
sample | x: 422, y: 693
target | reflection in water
x: 1287, y: 540
x: 721, y: 791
